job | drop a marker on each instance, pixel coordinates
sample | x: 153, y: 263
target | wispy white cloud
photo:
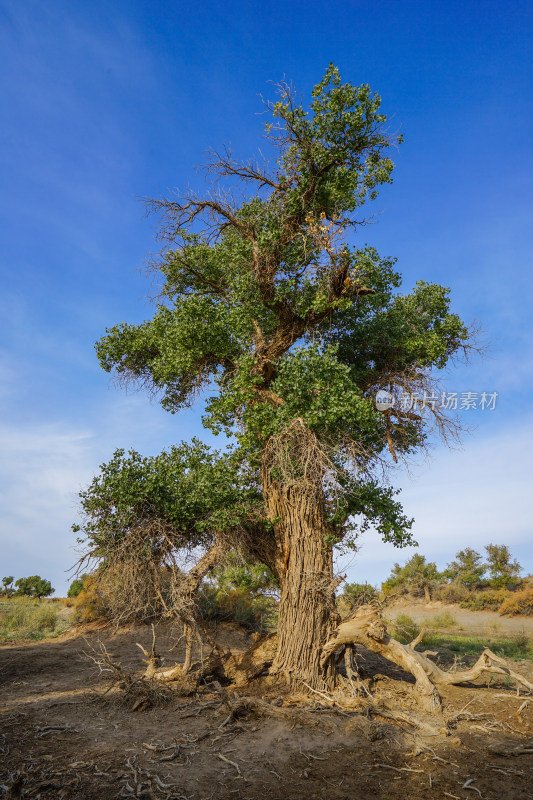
x: 41, y: 469
x: 43, y: 466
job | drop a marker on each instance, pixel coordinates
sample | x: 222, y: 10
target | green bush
x: 355, y: 595
x: 77, y: 585
x: 240, y: 591
x: 404, y: 628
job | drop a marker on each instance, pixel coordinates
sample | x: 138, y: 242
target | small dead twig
x: 468, y: 785
x: 233, y: 763
x: 398, y: 769
x: 308, y: 756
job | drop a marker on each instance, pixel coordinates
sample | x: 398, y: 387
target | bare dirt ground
x: 61, y: 738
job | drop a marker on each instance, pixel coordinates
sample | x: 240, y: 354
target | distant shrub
x: 444, y: 620
x: 404, y: 628
x: 240, y: 591
x: 519, y: 602
x: 27, y: 619
x: 355, y: 595
x: 452, y: 593
x: 258, y: 613
x: 488, y: 600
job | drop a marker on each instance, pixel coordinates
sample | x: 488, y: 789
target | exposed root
x: 240, y: 706
x: 223, y: 665
x: 152, y: 659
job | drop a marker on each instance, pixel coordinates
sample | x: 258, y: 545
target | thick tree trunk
x: 305, y: 571
x: 427, y: 594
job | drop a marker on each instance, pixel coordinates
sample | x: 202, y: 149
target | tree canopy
x: 502, y: 568
x: 468, y: 568
x: 417, y: 575
x: 34, y: 586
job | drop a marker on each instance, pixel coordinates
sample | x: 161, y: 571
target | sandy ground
x: 68, y: 741
x: 476, y: 623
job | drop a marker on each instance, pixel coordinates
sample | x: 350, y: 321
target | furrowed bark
x: 305, y: 569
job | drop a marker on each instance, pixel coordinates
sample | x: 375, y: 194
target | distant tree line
x: 418, y: 576
x: 474, y: 581
x: 34, y: 586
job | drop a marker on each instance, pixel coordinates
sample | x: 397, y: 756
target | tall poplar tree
x: 272, y: 310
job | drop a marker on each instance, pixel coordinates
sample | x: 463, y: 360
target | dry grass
x: 26, y: 618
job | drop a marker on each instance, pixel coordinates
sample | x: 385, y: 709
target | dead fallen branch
x: 366, y: 628
x: 138, y: 692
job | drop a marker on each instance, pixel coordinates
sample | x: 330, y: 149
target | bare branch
x: 216, y: 213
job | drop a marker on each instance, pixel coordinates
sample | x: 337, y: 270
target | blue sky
x: 105, y: 103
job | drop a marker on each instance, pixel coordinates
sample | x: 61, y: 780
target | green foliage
x: 242, y: 592
x: 238, y: 574
x: 404, y: 628
x: 267, y: 311
x: 155, y: 505
x: 34, y: 586
x: 267, y: 307
x: 7, y: 585
x: 355, y: 595
x: 417, y: 575
x: 258, y: 613
x: 467, y: 569
x: 77, y: 585
x: 502, y: 569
